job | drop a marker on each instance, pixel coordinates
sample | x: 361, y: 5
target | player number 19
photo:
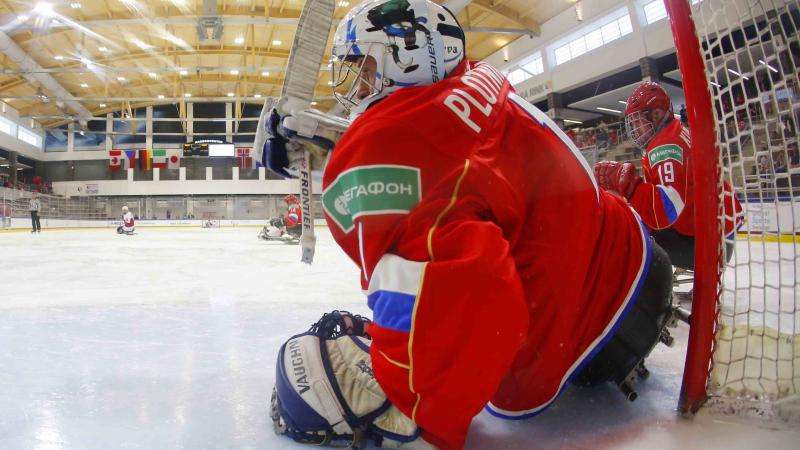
x: 666, y: 172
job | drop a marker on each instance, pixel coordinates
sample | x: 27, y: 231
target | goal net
x: 210, y: 222
x: 740, y: 77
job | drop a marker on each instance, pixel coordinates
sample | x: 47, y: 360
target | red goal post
x: 708, y: 267
x: 741, y: 59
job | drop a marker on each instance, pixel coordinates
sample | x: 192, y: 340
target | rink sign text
x: 371, y: 190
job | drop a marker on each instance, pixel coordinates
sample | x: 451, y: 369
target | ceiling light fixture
x: 188, y: 94
x: 230, y: 94
x: 622, y: 101
x: 276, y: 42
x: 84, y: 85
x: 737, y: 74
x: 160, y: 96
x: 75, y: 5
x: 102, y: 49
x: 120, y: 78
x: 102, y: 105
x: 239, y: 40
x: 770, y: 67
x: 344, y: 4
x: 265, y: 74
x: 184, y: 73
x: 609, y: 110
x: 43, y: 9
x: 257, y: 96
x: 152, y: 75
x: 234, y: 72
x: 58, y: 57
x: 572, y: 121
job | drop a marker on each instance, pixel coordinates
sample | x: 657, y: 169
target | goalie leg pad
x: 326, y: 392
x: 640, y: 329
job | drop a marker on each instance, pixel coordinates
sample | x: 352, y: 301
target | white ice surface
x: 168, y: 339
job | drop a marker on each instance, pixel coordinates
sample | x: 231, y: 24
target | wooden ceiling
x: 112, y: 55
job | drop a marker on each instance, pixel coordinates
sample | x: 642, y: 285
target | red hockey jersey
x: 294, y: 215
x: 666, y: 197
x: 493, y: 264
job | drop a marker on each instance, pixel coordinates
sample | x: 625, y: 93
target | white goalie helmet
x: 411, y: 42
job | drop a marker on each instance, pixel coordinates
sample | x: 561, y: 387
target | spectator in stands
x: 779, y: 159
x: 613, y: 137
x: 794, y: 156
x: 34, y: 206
x: 764, y: 165
x: 602, y: 136
x: 684, y: 115
x: 169, y: 214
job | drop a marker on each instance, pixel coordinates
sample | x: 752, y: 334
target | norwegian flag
x: 115, y: 159
x: 243, y: 158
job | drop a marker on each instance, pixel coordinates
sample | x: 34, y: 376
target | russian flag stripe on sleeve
x: 671, y: 199
x: 392, y: 291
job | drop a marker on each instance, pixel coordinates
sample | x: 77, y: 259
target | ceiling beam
x: 496, y: 30
x: 182, y: 52
x: 25, y: 61
x: 228, y: 19
x: 508, y: 13
x: 131, y: 69
x: 192, y: 99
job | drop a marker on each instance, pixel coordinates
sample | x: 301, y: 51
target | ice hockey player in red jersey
x: 128, y: 224
x: 663, y: 197
x: 294, y: 215
x: 496, y: 269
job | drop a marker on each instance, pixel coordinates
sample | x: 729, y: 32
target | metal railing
x: 14, y: 203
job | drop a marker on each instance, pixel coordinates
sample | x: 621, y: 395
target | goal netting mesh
x: 210, y: 222
x: 751, y: 50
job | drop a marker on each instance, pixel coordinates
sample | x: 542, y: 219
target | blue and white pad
x: 326, y: 394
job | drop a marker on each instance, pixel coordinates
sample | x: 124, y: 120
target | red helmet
x: 291, y: 200
x: 648, y: 110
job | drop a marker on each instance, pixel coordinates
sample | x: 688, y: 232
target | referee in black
x: 34, y: 206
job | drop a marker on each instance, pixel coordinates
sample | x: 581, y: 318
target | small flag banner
x: 131, y: 154
x: 160, y: 159
x: 174, y: 162
x: 144, y: 159
x: 114, y: 159
x: 243, y: 158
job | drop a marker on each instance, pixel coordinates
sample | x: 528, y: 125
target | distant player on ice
x: 286, y: 228
x: 663, y: 197
x: 497, y: 271
x: 294, y: 216
x: 127, y: 226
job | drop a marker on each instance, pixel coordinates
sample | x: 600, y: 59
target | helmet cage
x: 347, y: 66
x: 639, y: 126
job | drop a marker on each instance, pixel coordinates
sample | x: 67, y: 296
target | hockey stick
x: 302, y: 70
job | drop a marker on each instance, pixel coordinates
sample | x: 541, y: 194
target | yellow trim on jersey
x: 411, y: 332
x: 453, y: 199
x: 414, y: 410
x: 446, y: 209
x: 398, y: 364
